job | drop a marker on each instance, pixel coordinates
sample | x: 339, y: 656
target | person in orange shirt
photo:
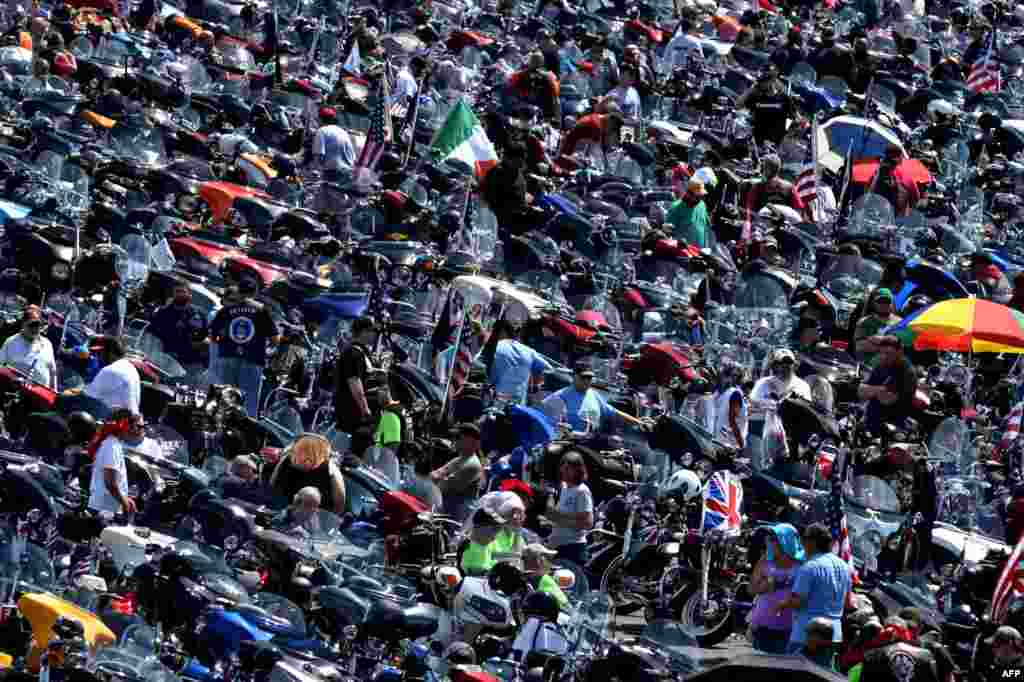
x: 602, y: 129
x: 537, y: 86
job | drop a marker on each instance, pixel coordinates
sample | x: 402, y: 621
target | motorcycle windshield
x: 871, y: 492
x: 758, y: 290
x: 319, y: 531
x: 671, y: 643
x: 954, y: 163
x: 172, y: 445
x: 543, y: 280
x: 283, y: 413
x: 870, y: 215
x: 278, y: 607
x: 951, y: 445
x: 144, y: 145
x: 26, y: 563
x: 125, y: 663
x: 849, y: 275
x: 591, y: 621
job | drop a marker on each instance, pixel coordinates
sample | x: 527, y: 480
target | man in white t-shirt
x: 732, y: 420
x: 683, y: 47
x: 332, y: 146
x: 108, y: 487
x: 118, y: 384
x: 30, y: 351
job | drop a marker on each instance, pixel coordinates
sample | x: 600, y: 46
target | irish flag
x: 463, y: 138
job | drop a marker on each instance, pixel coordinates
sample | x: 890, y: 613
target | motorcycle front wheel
x: 614, y: 584
x: 708, y: 628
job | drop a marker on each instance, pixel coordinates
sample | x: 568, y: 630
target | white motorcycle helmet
x: 939, y: 110
x: 683, y: 483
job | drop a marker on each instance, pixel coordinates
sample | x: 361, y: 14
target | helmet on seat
x: 683, y: 483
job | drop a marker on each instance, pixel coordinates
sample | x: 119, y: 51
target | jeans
x: 771, y: 641
x: 246, y: 376
x: 578, y: 553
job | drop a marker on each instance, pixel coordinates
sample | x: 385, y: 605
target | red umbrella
x: 864, y: 170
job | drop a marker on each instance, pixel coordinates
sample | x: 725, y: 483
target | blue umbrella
x: 532, y: 426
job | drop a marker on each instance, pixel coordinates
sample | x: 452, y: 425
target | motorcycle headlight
x: 60, y: 271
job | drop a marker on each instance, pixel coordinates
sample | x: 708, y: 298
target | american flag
x: 723, y: 497
x: 836, y: 514
x: 807, y: 182
x: 81, y: 561
x: 1010, y: 584
x: 380, y: 133
x: 984, y: 76
x: 1011, y: 431
x: 468, y: 344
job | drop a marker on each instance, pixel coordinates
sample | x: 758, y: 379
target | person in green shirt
x: 478, y: 558
x: 689, y: 215
x: 871, y: 325
x: 537, y: 565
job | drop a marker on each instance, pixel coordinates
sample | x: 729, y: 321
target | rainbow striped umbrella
x: 967, y: 325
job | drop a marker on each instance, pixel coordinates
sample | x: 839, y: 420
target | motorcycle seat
x: 390, y: 622
x: 255, y: 655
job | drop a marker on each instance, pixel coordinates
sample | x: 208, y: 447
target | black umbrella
x: 762, y: 667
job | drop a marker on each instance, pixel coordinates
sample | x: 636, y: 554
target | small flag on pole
x: 354, y: 62
x: 379, y: 135
x: 984, y: 75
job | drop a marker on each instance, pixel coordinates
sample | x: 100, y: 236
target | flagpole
x: 451, y: 368
x: 415, y: 116
x: 847, y: 175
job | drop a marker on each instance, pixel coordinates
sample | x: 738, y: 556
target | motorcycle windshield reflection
x: 871, y: 492
x: 276, y: 606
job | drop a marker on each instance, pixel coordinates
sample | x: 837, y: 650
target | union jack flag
x: 1010, y: 584
x: 723, y: 497
x: 836, y: 513
x: 984, y: 75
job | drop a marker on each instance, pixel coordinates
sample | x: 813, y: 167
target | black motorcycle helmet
x: 916, y: 303
x: 540, y: 605
x: 616, y: 514
x: 81, y: 427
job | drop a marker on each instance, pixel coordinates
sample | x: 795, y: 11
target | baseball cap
x: 883, y: 294
x: 1004, y: 634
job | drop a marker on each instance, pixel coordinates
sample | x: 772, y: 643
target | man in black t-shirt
x: 890, y: 388
x: 352, y: 412
x: 771, y: 108
x: 241, y: 332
